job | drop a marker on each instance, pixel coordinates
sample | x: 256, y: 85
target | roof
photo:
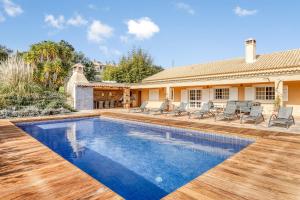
x: 78, y: 65
x: 274, y: 62
x: 78, y: 77
x: 97, y: 63
x: 104, y: 85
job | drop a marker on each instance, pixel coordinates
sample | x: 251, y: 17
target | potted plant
x: 277, y: 103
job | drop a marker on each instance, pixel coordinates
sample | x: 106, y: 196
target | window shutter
x: 285, y: 94
x: 205, y: 95
x: 249, y: 93
x: 233, y: 93
x: 184, y: 96
x: 154, y: 95
x: 211, y: 94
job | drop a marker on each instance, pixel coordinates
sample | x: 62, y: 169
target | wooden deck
x: 242, y: 132
x: 29, y: 170
x: 268, y: 169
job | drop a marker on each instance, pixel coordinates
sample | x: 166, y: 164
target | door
x: 184, y: 96
x: 139, y: 98
x: 249, y: 93
x: 234, y: 94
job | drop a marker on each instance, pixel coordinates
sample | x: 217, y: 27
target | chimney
x: 78, y: 68
x: 250, y: 50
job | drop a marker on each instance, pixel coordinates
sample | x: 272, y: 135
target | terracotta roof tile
x: 274, y: 62
x: 103, y: 84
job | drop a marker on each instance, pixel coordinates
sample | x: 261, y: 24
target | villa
x: 115, y: 154
x: 90, y: 109
x: 260, y: 78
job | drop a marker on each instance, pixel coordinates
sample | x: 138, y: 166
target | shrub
x: 21, y: 97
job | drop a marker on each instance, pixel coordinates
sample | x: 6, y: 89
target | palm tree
x: 52, y: 62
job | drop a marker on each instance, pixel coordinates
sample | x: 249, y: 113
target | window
x: 195, y: 98
x: 222, y: 93
x: 265, y: 93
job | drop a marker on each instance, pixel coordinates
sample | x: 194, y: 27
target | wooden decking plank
x: 267, y: 169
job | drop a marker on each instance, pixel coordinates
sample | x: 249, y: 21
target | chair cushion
x: 280, y: 121
x: 285, y: 112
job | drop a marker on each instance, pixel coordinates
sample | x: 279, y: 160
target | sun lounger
x: 244, y: 106
x: 112, y: 104
x: 228, y: 114
x: 254, y: 116
x: 178, y: 110
x: 140, y: 109
x: 100, y: 104
x: 204, y: 110
x: 284, y: 117
x: 106, y: 104
x: 156, y: 107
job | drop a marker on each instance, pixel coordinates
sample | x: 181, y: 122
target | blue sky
x: 183, y: 32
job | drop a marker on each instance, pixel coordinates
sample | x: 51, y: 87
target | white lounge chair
x: 228, y: 114
x: 204, y: 110
x: 284, y: 117
x: 178, y: 110
x: 254, y: 116
x: 155, y: 107
x: 140, y: 109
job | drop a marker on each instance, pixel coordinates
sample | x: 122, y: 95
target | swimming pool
x: 136, y: 160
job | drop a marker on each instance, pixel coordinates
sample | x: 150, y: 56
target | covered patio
x: 104, y: 95
x: 195, y: 93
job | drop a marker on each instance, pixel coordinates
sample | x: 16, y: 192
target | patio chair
x: 284, y: 117
x: 106, y: 104
x: 254, y: 116
x: 228, y: 114
x: 244, y: 106
x: 205, y: 109
x: 100, y: 104
x: 231, y: 102
x: 112, y: 104
x: 178, y: 110
x: 160, y: 109
x: 140, y: 109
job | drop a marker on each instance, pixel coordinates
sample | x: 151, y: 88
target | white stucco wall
x: 83, y: 98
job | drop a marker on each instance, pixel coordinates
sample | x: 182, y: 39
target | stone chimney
x: 77, y: 77
x: 78, y: 68
x: 250, y: 50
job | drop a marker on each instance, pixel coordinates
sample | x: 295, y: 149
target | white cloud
x: 55, y: 22
x: 109, y: 52
x: 143, y: 28
x: 78, y: 20
x: 244, y: 12
x: 185, y: 7
x: 11, y: 8
x: 59, y: 22
x: 98, y: 31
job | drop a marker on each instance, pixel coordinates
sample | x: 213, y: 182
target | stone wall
x: 83, y: 98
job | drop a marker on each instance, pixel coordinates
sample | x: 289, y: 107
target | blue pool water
x: 136, y: 160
